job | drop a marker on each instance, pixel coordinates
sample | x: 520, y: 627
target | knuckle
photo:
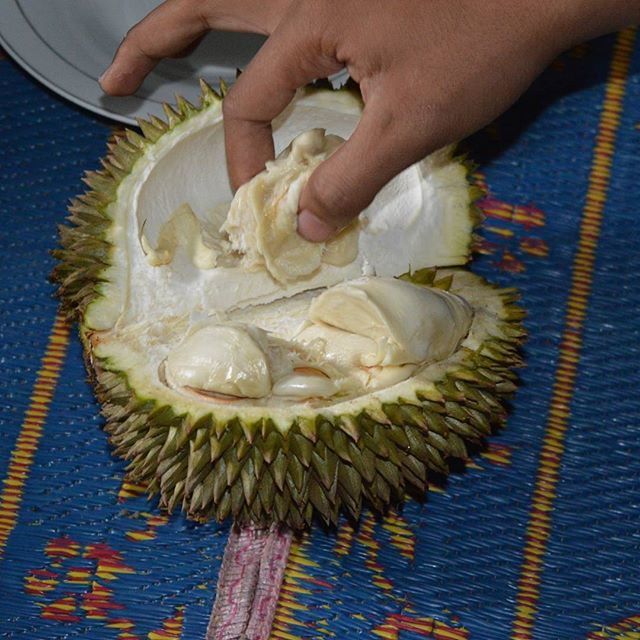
x: 129, y: 38
x: 137, y: 31
x: 135, y: 42
x: 196, y: 9
x: 387, y: 121
x: 231, y: 105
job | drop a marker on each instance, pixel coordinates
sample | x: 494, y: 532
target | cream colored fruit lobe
x: 305, y: 385
x: 182, y: 230
x: 343, y: 249
x: 352, y: 333
x: 404, y: 323
x: 223, y: 359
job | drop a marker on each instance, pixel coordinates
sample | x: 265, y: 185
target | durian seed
x: 305, y: 382
x: 310, y: 371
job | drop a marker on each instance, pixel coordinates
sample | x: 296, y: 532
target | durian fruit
x: 245, y: 372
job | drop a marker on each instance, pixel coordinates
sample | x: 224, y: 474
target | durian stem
x: 249, y: 583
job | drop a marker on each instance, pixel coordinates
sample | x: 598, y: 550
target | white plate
x: 67, y: 44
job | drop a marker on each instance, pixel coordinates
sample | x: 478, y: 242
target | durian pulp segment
x: 403, y: 322
x: 262, y: 219
x: 183, y: 230
x: 224, y: 359
x: 425, y: 211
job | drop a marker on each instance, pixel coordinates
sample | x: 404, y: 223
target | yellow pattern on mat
x: 539, y: 527
x: 627, y: 629
x: 31, y: 430
x: 295, y: 579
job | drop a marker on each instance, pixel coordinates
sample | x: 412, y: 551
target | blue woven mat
x: 538, y: 538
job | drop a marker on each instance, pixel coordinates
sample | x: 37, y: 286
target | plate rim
x: 25, y: 39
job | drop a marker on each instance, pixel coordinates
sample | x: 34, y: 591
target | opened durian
x: 245, y: 371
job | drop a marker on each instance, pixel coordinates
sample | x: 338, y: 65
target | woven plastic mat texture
x: 538, y: 538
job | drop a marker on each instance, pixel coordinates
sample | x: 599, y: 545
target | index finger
x: 286, y: 62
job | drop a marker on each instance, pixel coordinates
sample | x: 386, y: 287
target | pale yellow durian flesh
x: 262, y: 220
x: 224, y: 359
x: 183, y: 229
x: 402, y: 322
x: 355, y: 337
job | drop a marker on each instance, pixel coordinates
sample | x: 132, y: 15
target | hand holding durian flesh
x: 262, y: 220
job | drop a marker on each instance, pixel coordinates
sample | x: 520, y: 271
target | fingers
x: 286, y: 62
x: 174, y: 27
x: 382, y: 145
x: 166, y: 31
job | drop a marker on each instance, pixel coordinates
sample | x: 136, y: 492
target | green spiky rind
x: 476, y: 194
x: 320, y: 468
x: 86, y: 253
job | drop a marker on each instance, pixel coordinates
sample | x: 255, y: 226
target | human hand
x: 430, y: 71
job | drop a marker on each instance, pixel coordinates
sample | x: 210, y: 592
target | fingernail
x: 313, y: 228
x: 103, y: 76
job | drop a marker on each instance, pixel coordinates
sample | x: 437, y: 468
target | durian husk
x: 255, y: 472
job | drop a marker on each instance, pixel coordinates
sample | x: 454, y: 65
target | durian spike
x: 173, y: 117
x: 185, y: 107
x: 151, y: 131
x: 208, y: 95
x: 249, y: 583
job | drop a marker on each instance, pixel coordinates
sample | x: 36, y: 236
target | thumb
x: 346, y: 183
